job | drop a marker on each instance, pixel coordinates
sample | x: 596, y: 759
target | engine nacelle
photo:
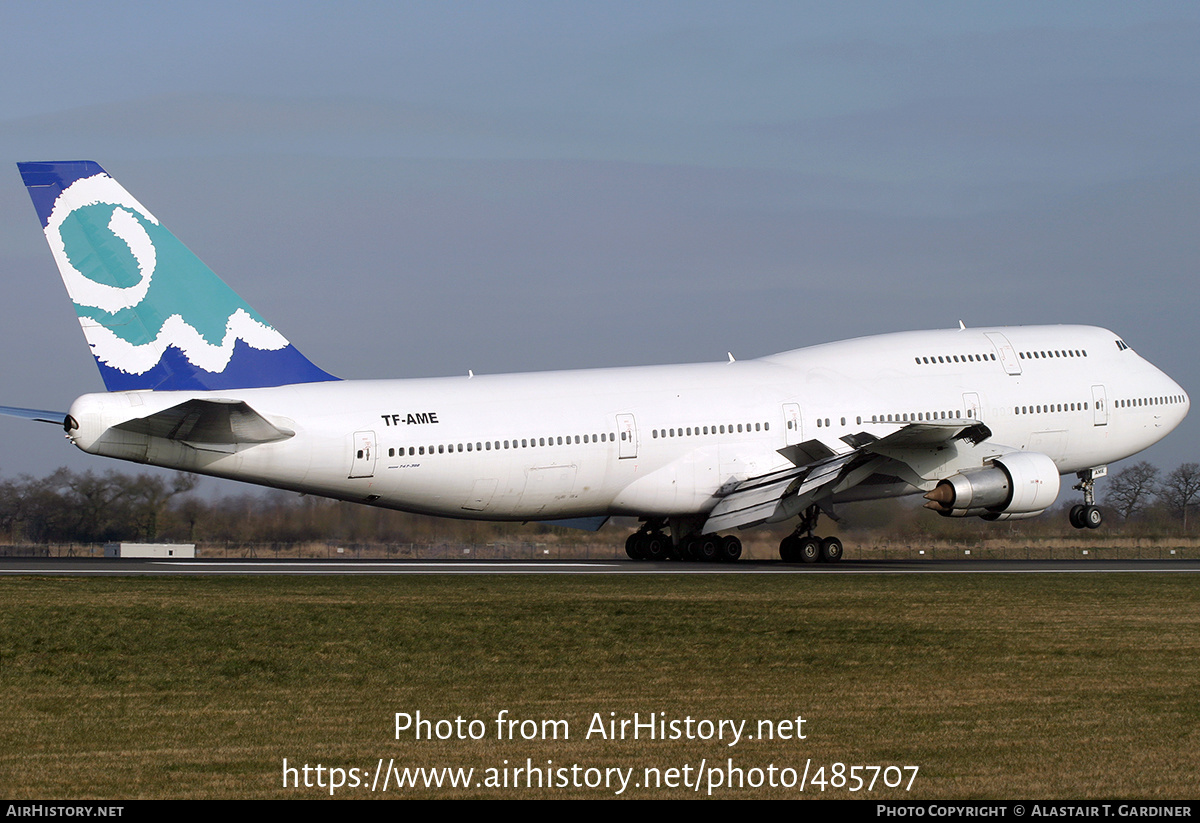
x: 1020, y: 483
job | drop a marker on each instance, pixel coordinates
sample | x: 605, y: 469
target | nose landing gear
x: 1087, y: 516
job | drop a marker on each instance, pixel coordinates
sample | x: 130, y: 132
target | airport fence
x: 857, y: 547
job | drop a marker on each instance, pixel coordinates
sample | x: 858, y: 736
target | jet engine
x: 1014, y: 486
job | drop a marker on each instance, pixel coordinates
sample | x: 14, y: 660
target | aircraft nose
x: 1183, y: 407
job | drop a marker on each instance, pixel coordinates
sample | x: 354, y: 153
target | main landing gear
x: 651, y: 543
x: 1086, y: 516
x: 803, y: 546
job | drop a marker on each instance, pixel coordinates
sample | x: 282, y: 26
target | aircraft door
x: 363, y: 457
x: 792, y: 431
x: 1008, y: 355
x: 1099, y: 406
x: 481, y: 494
x: 626, y: 436
x: 971, y: 406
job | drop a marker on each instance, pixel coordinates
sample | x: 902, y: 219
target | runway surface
x: 101, y: 567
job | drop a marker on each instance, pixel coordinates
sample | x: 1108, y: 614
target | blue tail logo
x: 155, y: 316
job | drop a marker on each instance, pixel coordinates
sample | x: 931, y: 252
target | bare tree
x: 1181, y: 488
x: 1132, y: 489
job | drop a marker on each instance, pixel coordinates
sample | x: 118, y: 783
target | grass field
x: 996, y: 686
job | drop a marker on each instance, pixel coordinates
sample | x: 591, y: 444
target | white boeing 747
x: 981, y: 421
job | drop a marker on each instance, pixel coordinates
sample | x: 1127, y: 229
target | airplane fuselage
x: 665, y: 441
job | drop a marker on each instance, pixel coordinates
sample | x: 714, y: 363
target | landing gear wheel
x: 789, y: 551
x: 633, y: 547
x: 654, y: 547
x: 707, y: 548
x: 688, y: 547
x: 809, y: 550
x: 831, y: 550
x: 1091, y: 517
x: 731, y: 549
x: 1076, y: 517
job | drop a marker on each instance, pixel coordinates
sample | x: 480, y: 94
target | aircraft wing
x: 754, y: 500
x: 821, y: 465
x: 211, y: 422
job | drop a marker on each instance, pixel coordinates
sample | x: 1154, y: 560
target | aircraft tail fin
x: 154, y: 315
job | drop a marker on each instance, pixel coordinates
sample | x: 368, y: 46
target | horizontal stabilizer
x: 39, y: 415
x: 208, y: 422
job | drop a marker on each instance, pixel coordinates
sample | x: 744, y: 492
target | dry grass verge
x: 995, y: 686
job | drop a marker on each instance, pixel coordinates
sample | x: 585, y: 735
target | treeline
x: 89, y: 507
x: 1141, y: 493
x: 70, y: 507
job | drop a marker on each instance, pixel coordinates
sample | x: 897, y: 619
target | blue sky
x: 410, y: 189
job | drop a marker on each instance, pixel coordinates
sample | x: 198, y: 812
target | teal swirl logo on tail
x: 154, y: 315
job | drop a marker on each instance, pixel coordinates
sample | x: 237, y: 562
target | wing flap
x: 930, y: 433
x: 818, y: 464
x: 755, y: 500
